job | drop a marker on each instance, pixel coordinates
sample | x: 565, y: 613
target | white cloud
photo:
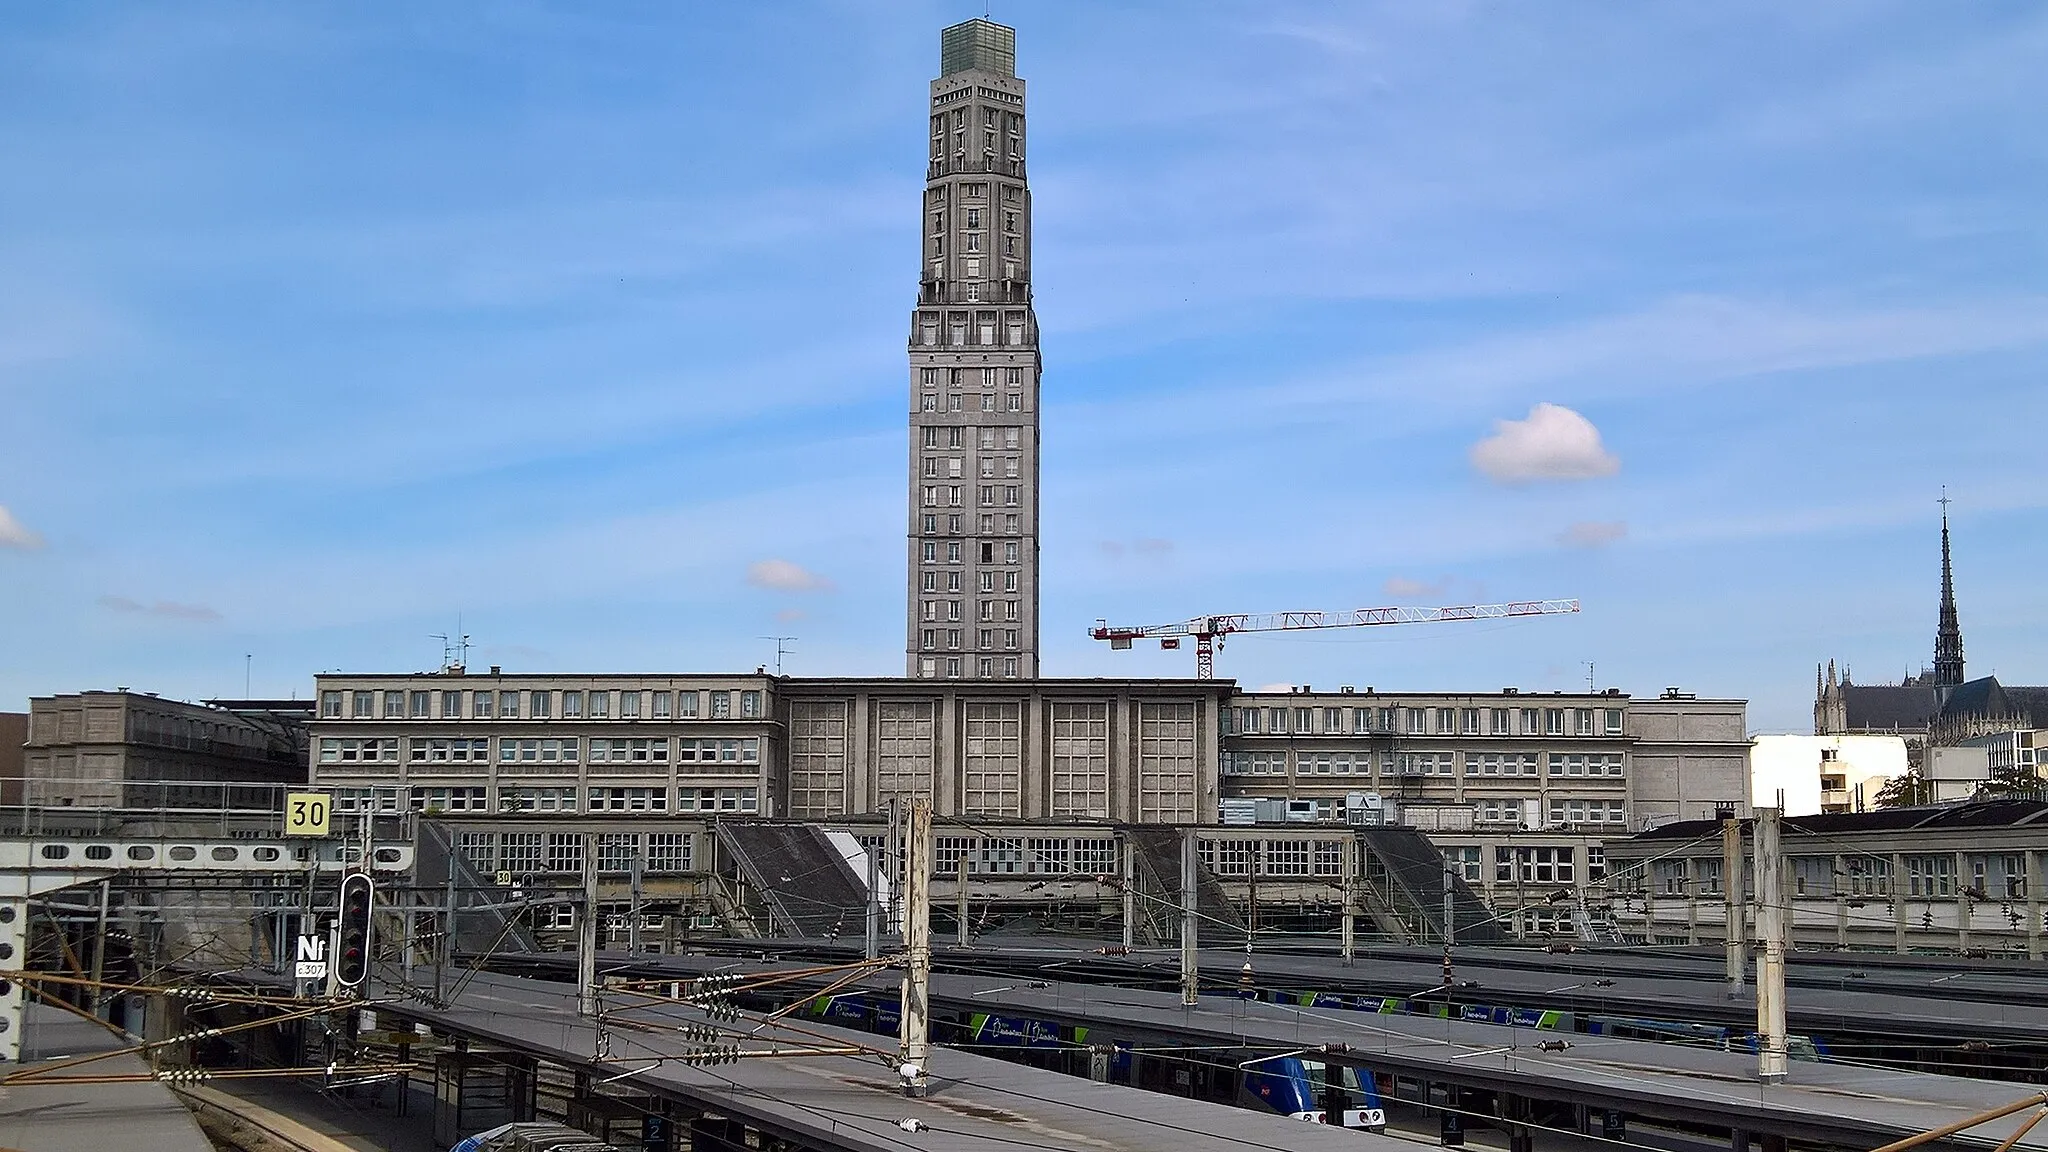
x: 1551, y: 443
x: 163, y: 609
x: 1146, y: 546
x: 14, y: 534
x: 1593, y: 533
x: 1274, y: 688
x: 1403, y: 588
x: 785, y: 576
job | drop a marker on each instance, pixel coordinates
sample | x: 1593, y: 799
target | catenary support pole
x: 1732, y: 907
x: 892, y: 859
x: 633, y: 920
x: 917, y: 945
x: 444, y: 948
x: 960, y: 907
x: 586, y: 933
x: 99, y: 946
x: 1190, y: 863
x: 874, y: 925
x: 1770, y: 960
x: 1350, y: 924
x: 1127, y: 863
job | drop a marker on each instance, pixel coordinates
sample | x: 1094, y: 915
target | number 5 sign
x: 306, y: 813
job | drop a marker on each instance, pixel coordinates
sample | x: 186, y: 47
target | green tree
x: 1905, y: 790
x: 2011, y: 780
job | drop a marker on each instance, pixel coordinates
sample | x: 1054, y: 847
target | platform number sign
x: 307, y: 813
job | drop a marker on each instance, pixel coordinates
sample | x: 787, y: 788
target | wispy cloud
x: 15, y: 534
x: 1551, y: 443
x: 1405, y: 588
x: 161, y: 609
x: 1593, y: 533
x: 1142, y: 548
x: 785, y: 576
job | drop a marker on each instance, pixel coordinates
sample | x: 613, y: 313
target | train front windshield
x: 1342, y: 1093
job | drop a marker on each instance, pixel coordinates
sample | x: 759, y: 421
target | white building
x: 1956, y: 773
x: 1820, y: 774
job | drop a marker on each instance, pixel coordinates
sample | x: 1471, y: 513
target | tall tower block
x: 974, y: 367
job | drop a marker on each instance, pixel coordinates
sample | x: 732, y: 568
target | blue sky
x: 321, y: 325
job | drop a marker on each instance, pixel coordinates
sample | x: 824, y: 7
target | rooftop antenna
x: 454, y: 649
x: 780, y: 643
x: 1589, y: 678
x: 248, y: 662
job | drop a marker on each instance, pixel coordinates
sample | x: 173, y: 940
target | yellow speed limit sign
x: 307, y: 813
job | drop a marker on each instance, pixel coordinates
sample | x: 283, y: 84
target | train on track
x: 1297, y: 1085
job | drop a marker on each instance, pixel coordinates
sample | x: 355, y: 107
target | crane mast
x: 1208, y: 631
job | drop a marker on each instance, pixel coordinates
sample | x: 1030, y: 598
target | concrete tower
x: 973, y: 531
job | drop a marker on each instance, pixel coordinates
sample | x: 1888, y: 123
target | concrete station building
x: 1956, y: 878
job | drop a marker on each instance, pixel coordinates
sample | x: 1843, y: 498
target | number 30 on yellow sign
x: 307, y: 813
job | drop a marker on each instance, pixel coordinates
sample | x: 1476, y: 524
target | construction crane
x: 1209, y: 631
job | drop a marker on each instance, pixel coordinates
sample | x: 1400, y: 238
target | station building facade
x: 1520, y: 790
x: 1963, y: 878
x: 1132, y: 751
x: 122, y: 749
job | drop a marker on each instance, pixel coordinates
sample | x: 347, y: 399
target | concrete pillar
x: 1190, y: 864
x: 1098, y: 1063
x: 960, y: 906
x: 2033, y: 872
x: 1898, y: 890
x: 586, y: 933
x: 1034, y: 745
x: 1349, y: 927
x: 872, y: 934
x: 1770, y: 976
x: 946, y: 761
x: 1732, y: 904
x: 917, y: 941
x: 1127, y: 863
x: 860, y: 766
x: 1962, y: 906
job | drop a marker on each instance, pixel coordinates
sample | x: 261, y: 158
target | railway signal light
x: 352, y: 944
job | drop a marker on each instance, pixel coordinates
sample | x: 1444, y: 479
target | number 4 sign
x: 307, y: 813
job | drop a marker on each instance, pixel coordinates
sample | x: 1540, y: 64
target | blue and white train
x: 1296, y: 1085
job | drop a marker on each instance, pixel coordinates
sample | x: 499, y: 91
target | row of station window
x: 1429, y: 721
x: 513, y: 798
x: 541, y: 750
x: 1563, y: 764
x: 540, y: 704
x: 525, y: 853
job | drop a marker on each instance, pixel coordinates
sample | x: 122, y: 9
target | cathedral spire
x: 1948, y: 638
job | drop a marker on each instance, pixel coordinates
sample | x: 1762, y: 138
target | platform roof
x: 1838, y: 1104
x: 854, y: 1102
